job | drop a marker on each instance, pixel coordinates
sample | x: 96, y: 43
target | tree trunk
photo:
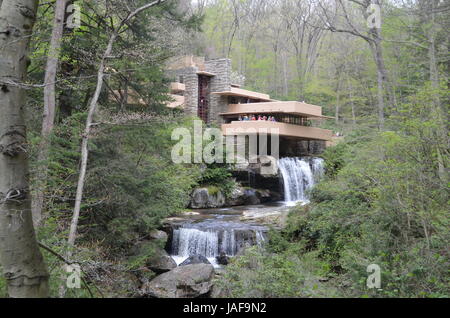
x: 381, y: 79
x: 85, y: 139
x: 49, y: 110
x: 338, y: 100
x: 21, y: 260
x: 87, y: 130
x: 440, y: 112
x: 352, y: 103
x: 85, y: 154
x: 285, y: 76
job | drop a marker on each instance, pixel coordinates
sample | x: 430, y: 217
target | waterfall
x: 195, y: 242
x: 299, y: 175
x: 210, y: 239
x: 317, y: 168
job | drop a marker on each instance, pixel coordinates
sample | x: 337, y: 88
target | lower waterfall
x: 298, y: 176
x: 210, y: 239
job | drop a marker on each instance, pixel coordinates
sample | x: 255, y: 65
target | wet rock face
x: 249, y: 196
x: 195, y: 259
x: 265, y: 166
x: 182, y: 282
x: 202, y: 199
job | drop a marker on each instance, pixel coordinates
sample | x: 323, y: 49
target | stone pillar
x: 190, y: 80
x: 219, y: 83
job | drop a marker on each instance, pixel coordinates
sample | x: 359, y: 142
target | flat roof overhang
x: 206, y: 73
x: 281, y: 129
x: 294, y: 108
x: 239, y: 92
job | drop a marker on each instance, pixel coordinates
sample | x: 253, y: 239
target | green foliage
x: 384, y: 201
x: 334, y: 159
x: 386, y: 204
x: 218, y: 177
x: 133, y: 183
x: 258, y: 274
x: 215, y: 175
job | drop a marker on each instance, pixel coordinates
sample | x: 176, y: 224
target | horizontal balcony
x: 283, y: 129
x: 178, y: 101
x: 294, y: 108
x: 177, y: 87
x: 239, y: 92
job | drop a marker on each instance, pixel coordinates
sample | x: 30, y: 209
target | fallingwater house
x: 211, y: 91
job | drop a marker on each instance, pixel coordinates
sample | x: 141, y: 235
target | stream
x: 212, y: 232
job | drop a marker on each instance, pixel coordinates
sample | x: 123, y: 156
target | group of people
x: 259, y: 117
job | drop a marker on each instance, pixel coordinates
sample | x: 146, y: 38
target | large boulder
x: 251, y: 197
x: 264, y: 195
x: 152, y: 256
x: 236, y: 197
x: 160, y: 261
x: 195, y: 259
x: 159, y: 235
x: 182, y: 282
x: 203, y: 198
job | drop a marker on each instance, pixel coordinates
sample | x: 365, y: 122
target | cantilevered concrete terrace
x: 295, y: 108
x: 283, y: 129
x: 207, y: 89
x: 293, y: 119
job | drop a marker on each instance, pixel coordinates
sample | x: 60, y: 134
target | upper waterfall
x: 299, y: 175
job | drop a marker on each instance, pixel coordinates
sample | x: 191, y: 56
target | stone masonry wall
x: 188, y: 76
x: 219, y: 83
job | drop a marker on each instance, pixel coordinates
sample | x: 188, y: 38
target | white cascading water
x: 210, y: 240
x: 299, y: 175
x: 195, y: 242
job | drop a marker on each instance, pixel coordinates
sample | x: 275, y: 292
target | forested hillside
x: 385, y: 198
x: 87, y: 177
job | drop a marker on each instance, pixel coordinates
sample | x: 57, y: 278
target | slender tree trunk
x: 124, y: 100
x: 352, y: 103
x: 275, y: 69
x: 381, y: 79
x: 299, y: 75
x: 85, y: 154
x: 285, y: 75
x: 21, y: 260
x: 383, y: 83
x: 85, y: 140
x: 434, y: 79
x: 338, y: 100
x: 87, y: 130
x: 49, y: 110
